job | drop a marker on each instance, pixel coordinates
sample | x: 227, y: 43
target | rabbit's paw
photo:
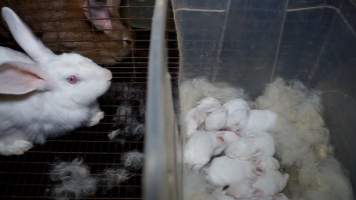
x: 18, y: 147
x: 96, y: 119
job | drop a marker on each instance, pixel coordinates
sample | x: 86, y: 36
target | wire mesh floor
x: 27, y: 176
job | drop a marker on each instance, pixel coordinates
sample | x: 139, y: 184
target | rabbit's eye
x: 72, y: 79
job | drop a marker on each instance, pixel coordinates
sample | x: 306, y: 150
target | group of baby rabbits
x: 231, y: 146
x: 43, y: 94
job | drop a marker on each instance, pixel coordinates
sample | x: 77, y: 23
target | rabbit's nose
x: 108, y: 74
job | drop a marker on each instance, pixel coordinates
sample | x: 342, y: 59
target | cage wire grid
x: 27, y: 176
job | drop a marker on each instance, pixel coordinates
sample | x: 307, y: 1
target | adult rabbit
x: 43, y: 94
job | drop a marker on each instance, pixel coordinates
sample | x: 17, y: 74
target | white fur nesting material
x: 72, y: 180
x: 299, y: 106
x: 302, y: 143
x: 300, y: 127
x: 133, y: 160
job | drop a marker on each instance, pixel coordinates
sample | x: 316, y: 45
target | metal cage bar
x: 161, y: 172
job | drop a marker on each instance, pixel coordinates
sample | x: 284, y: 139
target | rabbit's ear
x: 25, y: 38
x: 98, y: 13
x: 18, y: 78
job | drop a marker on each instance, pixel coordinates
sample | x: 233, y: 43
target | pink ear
x: 98, y: 13
x: 221, y: 139
x: 18, y: 78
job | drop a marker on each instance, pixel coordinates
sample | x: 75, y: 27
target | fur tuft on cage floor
x: 28, y: 176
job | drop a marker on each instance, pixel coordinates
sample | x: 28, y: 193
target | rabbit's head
x: 76, y: 77
x: 69, y: 75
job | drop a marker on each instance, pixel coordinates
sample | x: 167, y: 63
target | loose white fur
x: 300, y: 123
x: 114, y: 177
x: 302, y: 143
x: 72, y: 180
x: 133, y: 160
x: 37, y: 101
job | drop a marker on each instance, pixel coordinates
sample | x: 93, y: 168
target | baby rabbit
x: 225, y: 171
x: 247, y: 147
x: 203, y: 145
x: 260, y: 121
x: 237, y: 114
x: 44, y: 95
x: 196, y: 116
x: 200, y: 147
x: 270, y: 183
x: 241, y: 190
x: 216, y: 120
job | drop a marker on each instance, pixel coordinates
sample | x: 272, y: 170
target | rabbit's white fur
x: 53, y: 108
x: 191, y: 91
x: 194, y: 90
x: 8, y: 55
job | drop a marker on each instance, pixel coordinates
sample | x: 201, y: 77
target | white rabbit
x: 246, y: 191
x: 209, y: 104
x: 216, y: 120
x: 44, y: 95
x: 270, y: 183
x: 260, y: 121
x: 202, y: 145
x: 196, y: 116
x: 265, y: 163
x: 249, y: 147
x: 227, y: 137
x: 219, y: 194
x: 224, y: 171
x: 237, y: 114
x: 241, y: 190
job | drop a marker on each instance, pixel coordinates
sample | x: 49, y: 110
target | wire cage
x: 27, y: 176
